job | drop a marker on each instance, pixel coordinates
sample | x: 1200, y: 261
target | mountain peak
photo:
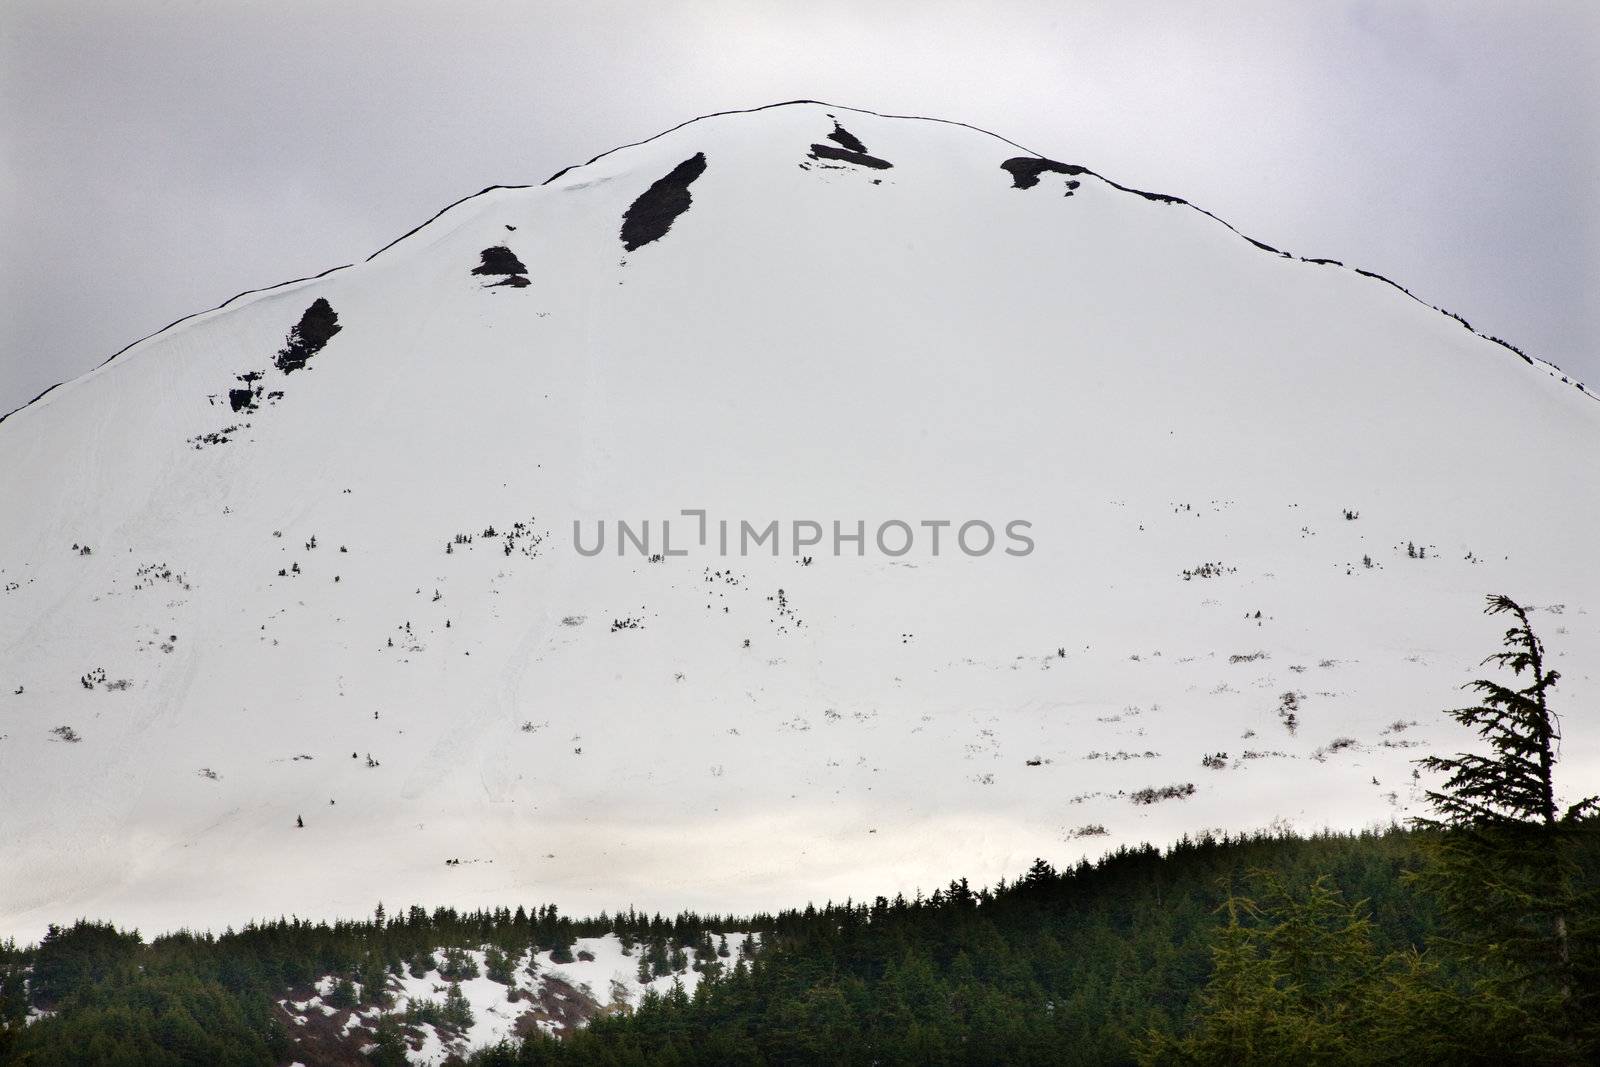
x: 949, y: 498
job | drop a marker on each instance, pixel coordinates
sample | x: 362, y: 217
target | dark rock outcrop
x: 319, y: 323
x: 845, y: 139
x: 844, y: 155
x: 650, y: 216
x: 500, y: 262
x: 1025, y: 170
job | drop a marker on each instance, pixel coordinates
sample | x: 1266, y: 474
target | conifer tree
x: 343, y: 994
x: 1505, y: 868
x: 457, y: 1009
x: 561, y: 951
x: 499, y: 966
x: 1298, y: 979
x: 389, y: 1049
x: 375, y: 981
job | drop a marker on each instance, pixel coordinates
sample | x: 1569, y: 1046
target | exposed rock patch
x: 319, y: 323
x: 845, y: 139
x: 650, y: 216
x: 844, y: 155
x: 500, y: 262
x: 1025, y: 170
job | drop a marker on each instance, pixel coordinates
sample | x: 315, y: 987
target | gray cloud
x: 157, y: 157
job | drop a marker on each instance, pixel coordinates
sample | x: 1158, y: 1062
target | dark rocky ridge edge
x: 1532, y: 361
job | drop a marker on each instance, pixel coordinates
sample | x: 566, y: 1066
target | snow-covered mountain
x: 250, y: 580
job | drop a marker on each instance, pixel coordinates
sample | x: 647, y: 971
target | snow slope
x: 814, y: 338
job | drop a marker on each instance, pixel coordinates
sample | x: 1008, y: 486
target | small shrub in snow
x: 1337, y: 745
x: 1289, y: 710
x: 1152, y: 794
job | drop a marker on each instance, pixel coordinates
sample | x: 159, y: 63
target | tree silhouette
x: 1506, y: 871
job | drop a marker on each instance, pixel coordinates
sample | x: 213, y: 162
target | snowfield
x: 1266, y: 498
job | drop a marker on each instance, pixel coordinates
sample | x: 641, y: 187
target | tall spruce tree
x: 1505, y: 867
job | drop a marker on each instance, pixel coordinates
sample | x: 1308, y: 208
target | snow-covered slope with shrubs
x: 456, y: 1001
x: 249, y: 580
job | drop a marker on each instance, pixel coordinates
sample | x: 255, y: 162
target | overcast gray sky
x: 158, y: 156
